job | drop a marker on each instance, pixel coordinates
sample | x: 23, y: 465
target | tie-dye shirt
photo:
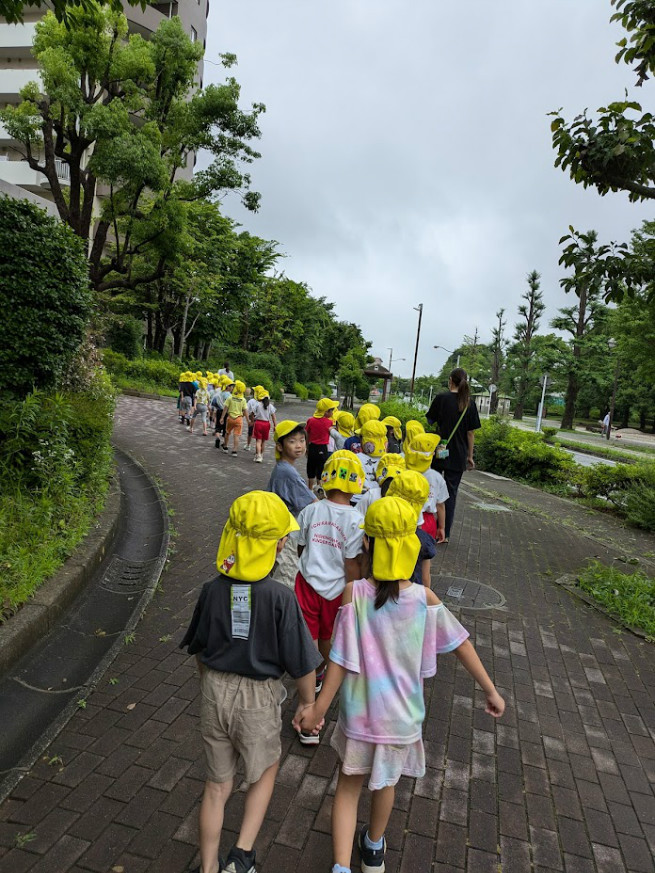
x: 387, y: 653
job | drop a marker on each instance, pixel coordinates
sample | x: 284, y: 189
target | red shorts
x: 430, y: 524
x: 261, y: 430
x: 318, y: 612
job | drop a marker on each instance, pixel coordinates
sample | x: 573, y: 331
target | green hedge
x: 508, y: 451
x: 630, y: 597
x: 403, y: 411
x: 300, y: 391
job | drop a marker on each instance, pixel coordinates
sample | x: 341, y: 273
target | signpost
x: 545, y: 381
x: 492, y: 388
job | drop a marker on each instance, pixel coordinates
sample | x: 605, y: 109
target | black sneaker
x: 217, y: 442
x: 372, y: 859
x: 238, y: 861
x: 319, y: 682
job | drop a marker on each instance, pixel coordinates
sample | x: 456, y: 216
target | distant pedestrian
x: 456, y: 417
x: 247, y: 631
x: 318, y: 436
x: 394, y: 433
x: 387, y: 635
x: 263, y: 418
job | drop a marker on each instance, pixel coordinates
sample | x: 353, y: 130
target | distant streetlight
x: 611, y: 344
x: 418, y: 309
x: 449, y: 352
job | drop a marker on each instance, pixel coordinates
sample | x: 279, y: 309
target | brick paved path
x: 564, y: 782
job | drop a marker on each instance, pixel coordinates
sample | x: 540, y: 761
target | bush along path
x: 564, y: 782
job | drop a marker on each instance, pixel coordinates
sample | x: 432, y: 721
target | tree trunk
x: 177, y: 342
x: 520, y: 401
x: 625, y: 415
x: 642, y: 420
x: 149, y: 330
x: 570, y: 401
x: 208, y: 349
x: 183, y: 333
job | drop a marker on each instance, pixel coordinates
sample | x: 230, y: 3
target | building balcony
x: 16, y: 39
x: 20, y: 173
x: 13, y: 79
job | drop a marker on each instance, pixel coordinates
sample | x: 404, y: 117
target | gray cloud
x: 406, y: 151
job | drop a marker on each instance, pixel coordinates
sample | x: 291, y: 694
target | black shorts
x: 316, y: 458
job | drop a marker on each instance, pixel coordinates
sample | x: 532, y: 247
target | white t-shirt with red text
x: 330, y: 533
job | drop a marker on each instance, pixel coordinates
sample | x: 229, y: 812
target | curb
x: 36, y: 617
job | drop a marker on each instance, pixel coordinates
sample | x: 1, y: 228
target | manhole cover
x: 127, y: 577
x: 455, y: 591
x: 492, y: 507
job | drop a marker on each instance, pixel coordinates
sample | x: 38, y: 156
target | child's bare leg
x: 211, y: 823
x: 257, y: 800
x: 344, y: 817
x: 381, y: 806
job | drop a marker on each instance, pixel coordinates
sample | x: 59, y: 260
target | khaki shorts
x: 286, y: 566
x: 240, y: 717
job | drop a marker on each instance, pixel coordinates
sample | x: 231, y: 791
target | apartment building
x: 18, y: 67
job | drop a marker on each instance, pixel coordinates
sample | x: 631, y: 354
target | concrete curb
x: 36, y: 617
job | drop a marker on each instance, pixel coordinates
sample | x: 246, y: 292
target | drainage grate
x: 127, y: 577
x: 455, y: 591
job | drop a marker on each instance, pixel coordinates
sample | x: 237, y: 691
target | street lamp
x: 611, y: 343
x: 449, y: 352
x: 418, y: 309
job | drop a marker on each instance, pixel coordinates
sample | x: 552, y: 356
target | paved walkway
x: 564, y: 782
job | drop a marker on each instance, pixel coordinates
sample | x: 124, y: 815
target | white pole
x: 537, y: 426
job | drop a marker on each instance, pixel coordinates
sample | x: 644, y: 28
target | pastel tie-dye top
x: 387, y: 653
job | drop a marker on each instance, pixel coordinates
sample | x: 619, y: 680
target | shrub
x: 152, y: 371
x: 628, y: 596
x: 314, y: 391
x: 44, y: 296
x: 549, y: 433
x: 612, y: 483
x: 300, y: 391
x: 124, y: 334
x: 508, y: 451
x: 240, y: 359
x: 640, y: 506
x: 403, y: 411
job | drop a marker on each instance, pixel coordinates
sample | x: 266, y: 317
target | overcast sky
x: 406, y: 152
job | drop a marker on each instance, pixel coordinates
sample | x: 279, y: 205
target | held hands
x: 307, y: 719
x: 495, y: 704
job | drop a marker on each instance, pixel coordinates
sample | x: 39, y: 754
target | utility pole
x: 418, y: 309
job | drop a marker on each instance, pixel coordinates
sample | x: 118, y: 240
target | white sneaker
x: 259, y: 458
x: 248, y: 449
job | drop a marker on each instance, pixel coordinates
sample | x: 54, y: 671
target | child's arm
x: 352, y: 567
x: 306, y: 692
x: 441, y: 522
x: 425, y: 572
x: 469, y: 658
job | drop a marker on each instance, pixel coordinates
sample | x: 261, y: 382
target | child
x: 394, y: 433
x: 246, y: 632
x: 418, y: 456
x: 225, y: 388
x: 263, y: 416
x: 234, y: 413
x: 367, y: 412
x: 289, y: 485
x: 200, y: 406
x: 344, y: 426
x: 374, y: 445
x: 412, y: 430
x: 414, y: 488
x: 187, y: 398
x: 386, y: 639
x: 318, y: 437
x: 251, y: 406
x: 389, y: 466
x: 329, y: 545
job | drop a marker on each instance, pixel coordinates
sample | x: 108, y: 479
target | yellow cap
x: 392, y: 523
x: 239, y: 389
x: 260, y: 392
x: 343, y: 471
x: 345, y: 422
x: 203, y: 381
x: 392, y: 421
x: 421, y: 449
x: 412, y: 487
x: 182, y: 377
x: 367, y: 412
x: 257, y: 521
x: 374, y: 439
x: 389, y: 465
x: 198, y: 374
x: 283, y: 428
x: 412, y: 430
x: 323, y: 405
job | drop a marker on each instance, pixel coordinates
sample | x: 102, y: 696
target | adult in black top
x: 445, y: 412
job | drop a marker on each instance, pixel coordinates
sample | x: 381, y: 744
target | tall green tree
x: 525, y: 330
x: 498, y: 344
x: 13, y: 10
x: 124, y: 118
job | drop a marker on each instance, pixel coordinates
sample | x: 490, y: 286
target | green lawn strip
x: 143, y: 386
x: 628, y: 597
x: 596, y: 451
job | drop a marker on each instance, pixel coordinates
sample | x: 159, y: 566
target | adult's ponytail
x: 459, y: 379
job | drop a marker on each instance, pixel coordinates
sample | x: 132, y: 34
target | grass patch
x: 629, y: 597
x: 596, y: 451
x: 144, y: 386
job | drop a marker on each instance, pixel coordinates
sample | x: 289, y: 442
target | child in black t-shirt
x: 247, y: 630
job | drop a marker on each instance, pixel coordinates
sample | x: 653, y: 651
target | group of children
x: 353, y: 561
x: 220, y: 401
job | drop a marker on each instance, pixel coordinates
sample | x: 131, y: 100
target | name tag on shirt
x: 240, y: 608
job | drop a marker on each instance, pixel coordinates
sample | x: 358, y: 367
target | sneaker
x: 188, y: 427
x: 309, y: 739
x: 225, y: 449
x: 234, y: 453
x: 259, y: 459
x: 238, y: 861
x: 319, y: 682
x: 372, y: 859
x: 217, y: 443
x: 247, y: 448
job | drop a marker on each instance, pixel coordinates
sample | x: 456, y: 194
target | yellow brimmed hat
x: 395, y: 423
x: 421, y: 449
x: 323, y: 405
x: 412, y: 430
x: 412, y: 487
x: 389, y: 465
x: 257, y: 521
x: 391, y: 521
x: 367, y: 412
x: 374, y: 439
x: 345, y: 422
x: 283, y: 428
x: 260, y: 392
x: 239, y: 389
x: 343, y: 471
